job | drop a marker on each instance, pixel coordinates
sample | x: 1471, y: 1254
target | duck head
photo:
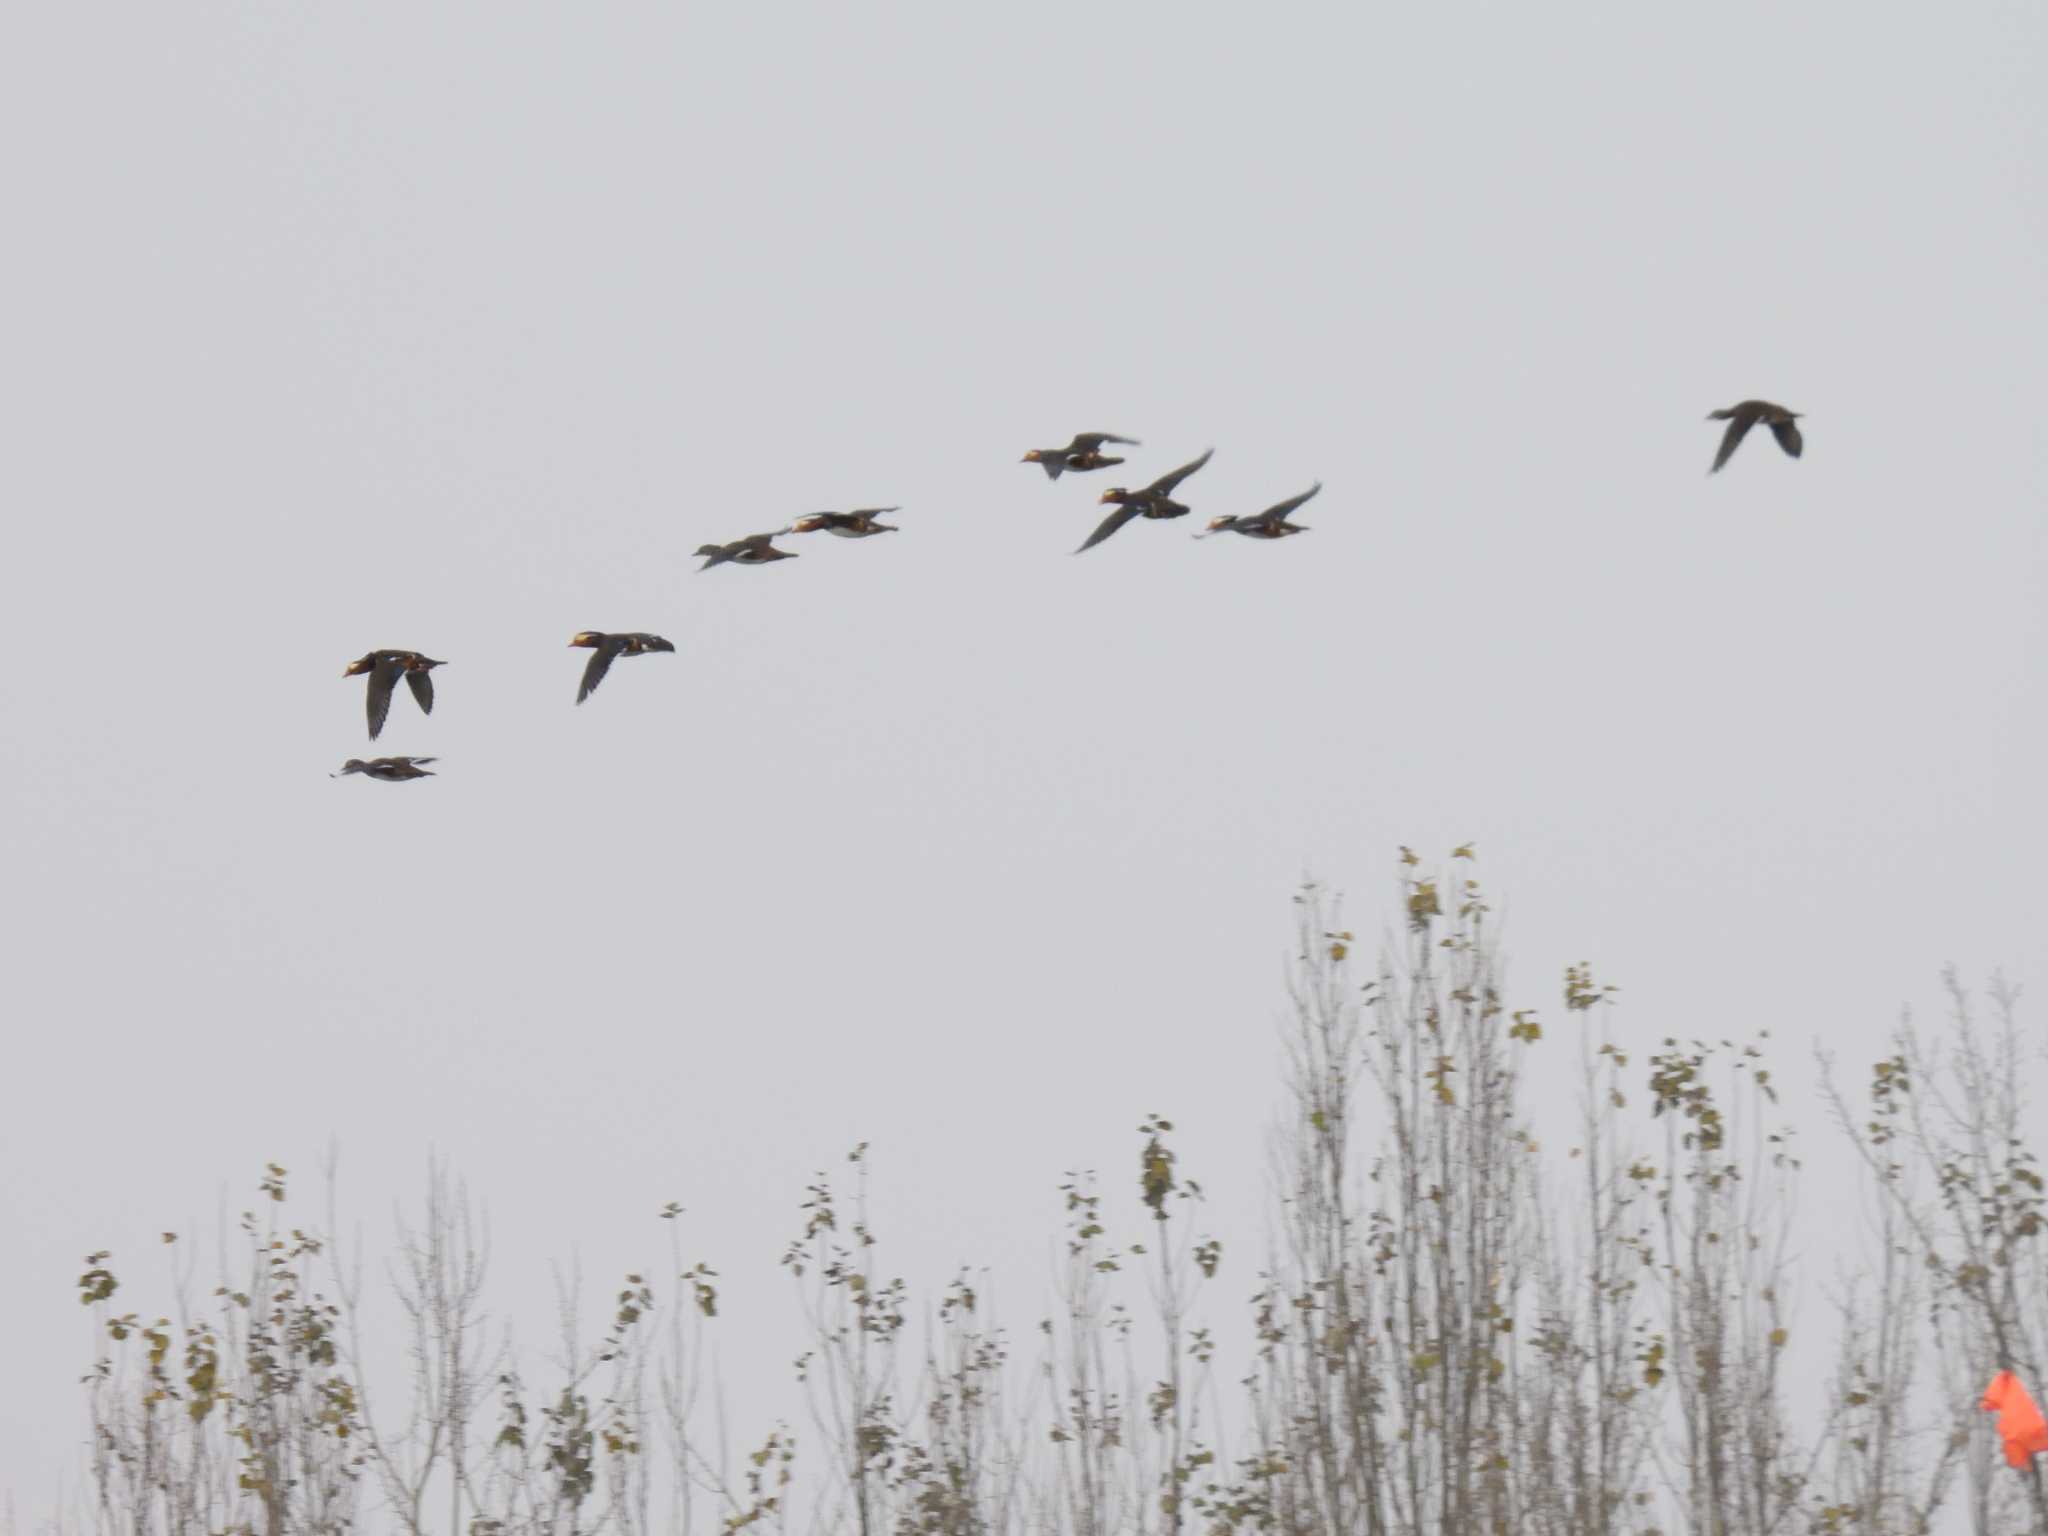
x: 589, y: 639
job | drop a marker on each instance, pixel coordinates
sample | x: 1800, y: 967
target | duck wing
x: 600, y: 663
x: 755, y: 548
x: 383, y: 678
x: 421, y: 683
x: 1088, y: 442
x: 1277, y: 513
x: 1738, y: 428
x: 1787, y: 434
x: 1110, y: 524
x: 1164, y: 485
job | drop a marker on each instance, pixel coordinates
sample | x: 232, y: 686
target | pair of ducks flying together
x: 1156, y: 500
x: 385, y: 668
x: 755, y: 548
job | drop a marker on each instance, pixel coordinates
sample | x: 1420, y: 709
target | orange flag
x: 2020, y: 1423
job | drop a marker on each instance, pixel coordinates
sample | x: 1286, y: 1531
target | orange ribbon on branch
x: 2020, y: 1424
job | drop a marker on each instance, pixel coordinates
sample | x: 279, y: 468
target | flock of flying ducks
x: 1084, y: 453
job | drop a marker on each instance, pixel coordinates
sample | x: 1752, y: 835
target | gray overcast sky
x: 458, y: 327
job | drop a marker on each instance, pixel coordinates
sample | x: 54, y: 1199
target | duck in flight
x: 603, y: 648
x: 391, y: 770
x: 1269, y: 524
x: 1784, y: 427
x: 860, y: 524
x: 1155, y: 500
x: 1083, y: 453
x: 385, y: 668
x: 754, y: 549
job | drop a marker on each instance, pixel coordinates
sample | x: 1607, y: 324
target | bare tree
x: 438, y: 1279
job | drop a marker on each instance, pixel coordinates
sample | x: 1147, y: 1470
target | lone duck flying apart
x: 754, y: 549
x: 859, y: 524
x: 1269, y: 524
x: 1083, y: 453
x: 392, y: 770
x: 1784, y: 427
x: 1155, y: 500
x: 385, y: 668
x: 603, y: 648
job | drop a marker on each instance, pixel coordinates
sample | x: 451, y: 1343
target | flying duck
x: 391, y: 770
x: 1740, y: 418
x: 604, y: 647
x: 385, y: 668
x: 846, y: 525
x: 1084, y: 452
x: 1269, y: 524
x: 754, y: 549
x: 1155, y: 500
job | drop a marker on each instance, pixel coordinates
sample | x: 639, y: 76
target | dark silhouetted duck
x: 385, y: 668
x: 754, y: 549
x: 391, y: 770
x: 1269, y: 524
x: 1740, y: 418
x: 1084, y: 452
x: 1155, y: 500
x: 604, y: 647
x: 846, y: 525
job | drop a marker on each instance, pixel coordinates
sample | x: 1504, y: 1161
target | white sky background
x: 457, y: 328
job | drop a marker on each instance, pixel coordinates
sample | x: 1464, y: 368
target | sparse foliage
x: 1452, y: 1327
